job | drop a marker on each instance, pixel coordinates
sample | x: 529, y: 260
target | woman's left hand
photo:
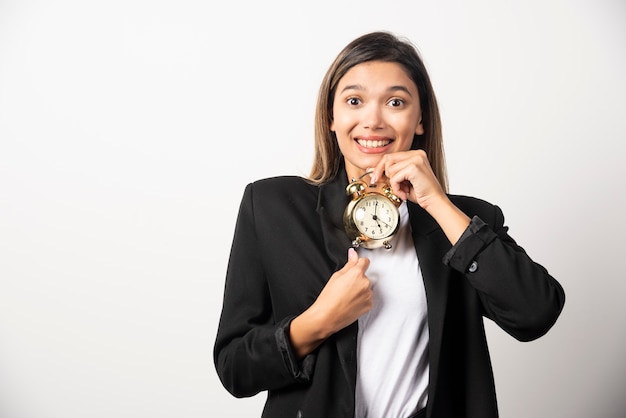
x: 410, y: 176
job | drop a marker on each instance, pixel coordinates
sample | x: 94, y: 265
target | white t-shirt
x: 392, y: 344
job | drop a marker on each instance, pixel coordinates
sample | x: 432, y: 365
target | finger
x: 353, y: 259
x: 386, y: 164
x: 378, y: 172
x: 353, y: 256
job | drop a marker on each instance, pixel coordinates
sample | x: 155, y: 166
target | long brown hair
x: 376, y: 46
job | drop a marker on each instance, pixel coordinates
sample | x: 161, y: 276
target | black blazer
x: 288, y: 241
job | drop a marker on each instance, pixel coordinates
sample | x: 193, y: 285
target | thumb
x: 353, y: 256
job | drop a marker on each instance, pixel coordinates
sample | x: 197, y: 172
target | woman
x: 333, y: 331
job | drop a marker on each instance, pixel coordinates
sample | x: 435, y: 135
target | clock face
x: 375, y: 216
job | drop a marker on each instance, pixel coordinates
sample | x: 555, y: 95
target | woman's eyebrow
x: 401, y: 88
x: 390, y: 89
x: 353, y: 87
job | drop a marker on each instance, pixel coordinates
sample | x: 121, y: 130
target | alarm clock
x: 371, y: 218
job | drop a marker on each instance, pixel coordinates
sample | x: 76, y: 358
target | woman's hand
x: 346, y: 296
x: 412, y: 178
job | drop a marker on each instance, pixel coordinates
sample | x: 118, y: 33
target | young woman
x: 333, y: 322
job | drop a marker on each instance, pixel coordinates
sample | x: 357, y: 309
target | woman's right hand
x: 346, y: 296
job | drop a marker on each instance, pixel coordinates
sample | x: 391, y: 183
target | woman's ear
x: 419, y: 129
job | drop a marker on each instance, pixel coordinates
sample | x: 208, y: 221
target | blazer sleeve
x: 252, y: 352
x: 516, y: 293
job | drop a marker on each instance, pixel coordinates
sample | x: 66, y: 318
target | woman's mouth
x: 373, y: 143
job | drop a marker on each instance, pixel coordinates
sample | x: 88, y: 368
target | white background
x: 129, y: 128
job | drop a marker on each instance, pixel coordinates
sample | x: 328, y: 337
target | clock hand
x: 378, y: 220
x: 375, y: 215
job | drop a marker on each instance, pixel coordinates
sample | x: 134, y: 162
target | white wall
x: 128, y: 130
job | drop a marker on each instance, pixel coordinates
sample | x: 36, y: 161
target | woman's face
x: 376, y: 111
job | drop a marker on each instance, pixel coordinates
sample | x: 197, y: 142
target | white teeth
x: 373, y: 144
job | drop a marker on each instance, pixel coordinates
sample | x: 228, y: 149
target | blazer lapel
x: 431, y: 244
x: 332, y: 201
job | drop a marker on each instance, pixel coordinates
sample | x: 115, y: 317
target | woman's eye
x: 396, y: 102
x: 353, y: 101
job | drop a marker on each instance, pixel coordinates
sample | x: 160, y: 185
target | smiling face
x: 376, y: 111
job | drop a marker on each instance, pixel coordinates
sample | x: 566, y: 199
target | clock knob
x: 355, y: 188
x: 391, y: 195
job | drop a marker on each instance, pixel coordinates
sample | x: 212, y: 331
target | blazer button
x: 473, y: 267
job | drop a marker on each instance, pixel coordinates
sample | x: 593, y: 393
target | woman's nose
x: 372, y: 117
